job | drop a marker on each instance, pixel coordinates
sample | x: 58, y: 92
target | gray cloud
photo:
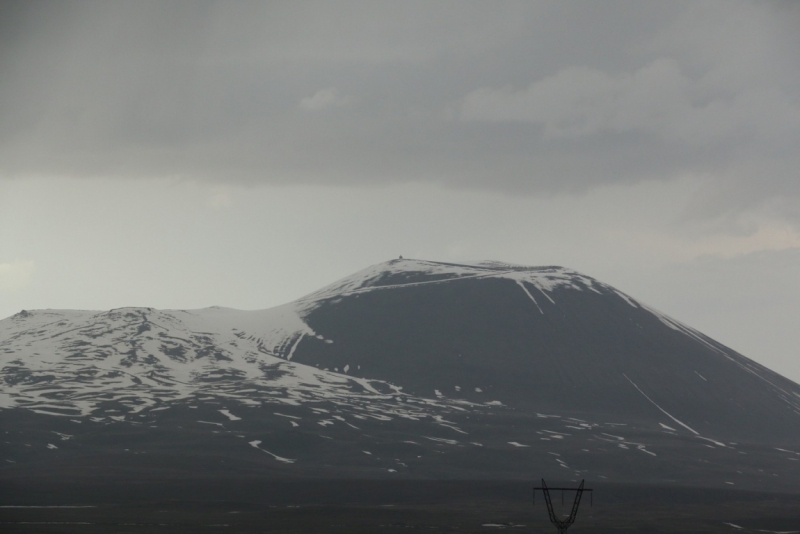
x: 522, y: 97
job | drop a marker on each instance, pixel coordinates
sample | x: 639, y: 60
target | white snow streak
x: 626, y: 298
x: 229, y: 415
x: 294, y: 346
x: 522, y: 285
x: 687, y: 427
x: 256, y: 443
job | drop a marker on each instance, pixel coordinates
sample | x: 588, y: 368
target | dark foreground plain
x: 322, y: 506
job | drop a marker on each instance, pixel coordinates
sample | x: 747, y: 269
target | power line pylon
x: 562, y: 524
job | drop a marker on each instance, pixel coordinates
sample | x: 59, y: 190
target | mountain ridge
x: 436, y: 370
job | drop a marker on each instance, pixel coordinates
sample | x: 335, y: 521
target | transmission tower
x: 562, y: 524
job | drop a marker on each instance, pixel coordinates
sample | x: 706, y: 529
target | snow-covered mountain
x: 72, y: 363
x: 406, y: 369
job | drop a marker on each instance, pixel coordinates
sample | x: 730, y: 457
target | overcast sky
x: 187, y: 154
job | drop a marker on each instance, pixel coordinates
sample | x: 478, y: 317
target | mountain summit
x: 409, y: 368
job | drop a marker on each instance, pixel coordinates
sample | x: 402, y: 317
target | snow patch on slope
x: 73, y: 363
x: 411, y: 273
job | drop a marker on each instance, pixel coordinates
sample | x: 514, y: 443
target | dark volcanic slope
x: 579, y: 348
x: 408, y: 369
